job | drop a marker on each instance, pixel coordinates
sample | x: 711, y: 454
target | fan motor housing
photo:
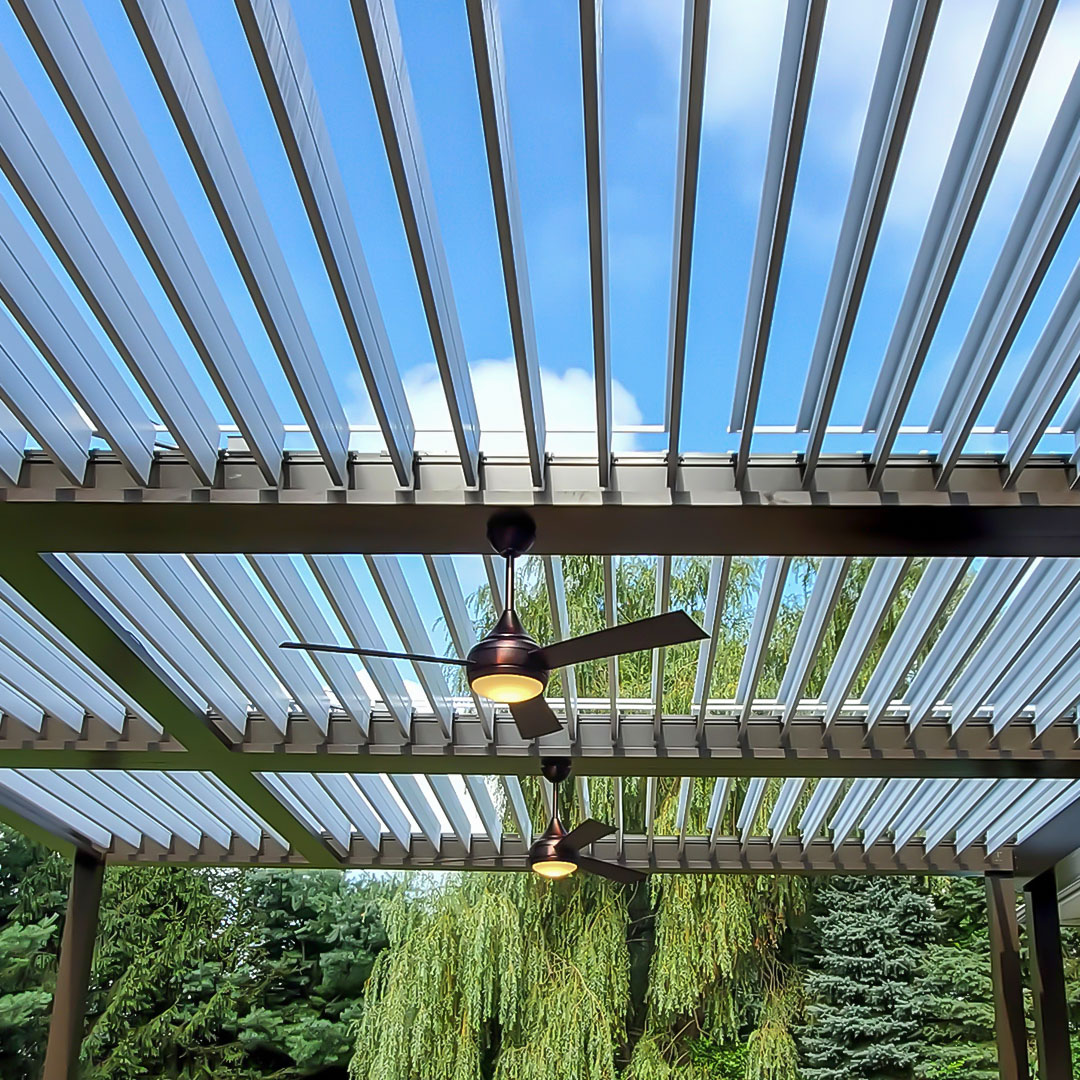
x: 545, y: 848
x: 507, y: 650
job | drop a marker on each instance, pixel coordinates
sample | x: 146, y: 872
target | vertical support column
x: 73, y: 978
x: 1048, y: 978
x: 1009, y: 1026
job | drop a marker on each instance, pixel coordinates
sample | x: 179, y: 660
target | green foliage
x: 24, y: 999
x: 228, y: 973
x: 161, y: 998
x: 498, y: 975
x: 198, y: 973
x: 312, y: 948
x: 955, y: 978
x: 867, y: 1012
x: 33, y: 884
x: 722, y: 1060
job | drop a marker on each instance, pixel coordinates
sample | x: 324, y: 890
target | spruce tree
x: 957, y: 983
x: 33, y: 886
x: 865, y: 1006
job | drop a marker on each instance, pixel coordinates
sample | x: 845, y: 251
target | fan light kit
x: 508, y: 667
x: 556, y: 853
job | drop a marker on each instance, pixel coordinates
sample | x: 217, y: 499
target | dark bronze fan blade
x: 534, y: 718
x: 611, y: 871
x: 588, y: 832
x: 671, y: 628
x: 372, y: 652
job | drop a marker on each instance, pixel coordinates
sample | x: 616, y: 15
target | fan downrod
x: 511, y: 533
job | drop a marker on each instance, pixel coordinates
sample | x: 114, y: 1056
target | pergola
x: 148, y: 714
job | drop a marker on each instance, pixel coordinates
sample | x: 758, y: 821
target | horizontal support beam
x: 697, y: 855
x: 850, y: 750
x: 706, y: 514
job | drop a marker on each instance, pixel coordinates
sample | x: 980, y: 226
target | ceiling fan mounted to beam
x: 556, y: 853
x: 508, y: 667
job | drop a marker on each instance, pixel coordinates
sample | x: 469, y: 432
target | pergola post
x: 73, y: 978
x: 1009, y: 1027
x: 1048, y: 978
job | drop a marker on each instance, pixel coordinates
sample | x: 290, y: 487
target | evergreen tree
x: 957, y: 983
x: 197, y: 973
x: 866, y: 1011
x: 230, y: 973
x: 313, y: 941
x: 33, y: 884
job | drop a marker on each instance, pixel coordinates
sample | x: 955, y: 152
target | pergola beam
x: 707, y: 515
x: 592, y: 94
x: 661, y: 854
x: 695, y: 31
x: 899, y: 72
x: 391, y: 91
x: 1048, y: 979
x: 679, y: 750
x: 791, y: 106
x: 485, y: 32
x: 1010, y: 1028
x: 90, y: 629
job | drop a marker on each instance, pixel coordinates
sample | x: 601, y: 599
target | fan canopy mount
x: 511, y: 533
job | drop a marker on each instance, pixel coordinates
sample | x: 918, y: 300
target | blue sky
x: 642, y: 44
x: 642, y: 49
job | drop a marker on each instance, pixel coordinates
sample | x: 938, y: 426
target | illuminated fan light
x: 507, y: 688
x: 554, y: 868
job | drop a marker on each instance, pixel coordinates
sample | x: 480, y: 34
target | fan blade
x: 534, y: 718
x: 588, y: 832
x: 671, y: 628
x: 610, y: 870
x: 419, y: 657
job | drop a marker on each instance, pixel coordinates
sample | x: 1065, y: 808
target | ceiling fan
x: 556, y: 853
x: 507, y: 666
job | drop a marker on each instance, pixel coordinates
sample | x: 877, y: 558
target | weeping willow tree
x: 506, y: 977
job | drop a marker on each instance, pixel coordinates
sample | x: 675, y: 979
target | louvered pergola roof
x: 147, y: 712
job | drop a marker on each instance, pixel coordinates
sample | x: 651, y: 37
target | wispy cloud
x: 744, y: 50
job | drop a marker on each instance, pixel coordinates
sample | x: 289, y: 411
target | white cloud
x: 744, y: 50
x: 569, y: 409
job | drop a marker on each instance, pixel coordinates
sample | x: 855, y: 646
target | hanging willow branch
x: 501, y: 976
x: 498, y: 974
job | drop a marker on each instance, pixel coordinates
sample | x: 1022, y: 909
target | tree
x: 867, y: 1014
x: 197, y: 973
x: 312, y: 945
x: 229, y: 973
x: 32, y: 895
x: 956, y: 980
x: 505, y: 977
